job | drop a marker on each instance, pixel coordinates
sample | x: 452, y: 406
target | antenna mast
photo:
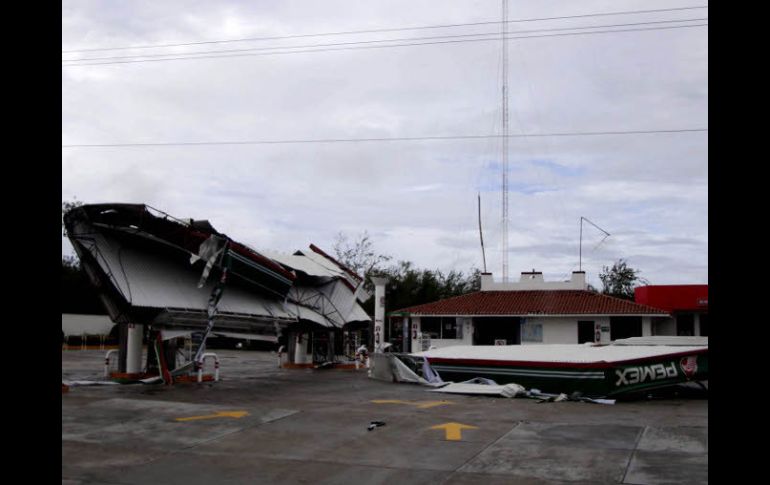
x: 481, y: 236
x: 607, y: 234
x: 505, y: 139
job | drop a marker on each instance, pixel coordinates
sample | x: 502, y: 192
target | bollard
x: 203, y: 361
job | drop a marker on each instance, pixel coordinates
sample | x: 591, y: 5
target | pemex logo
x: 689, y: 365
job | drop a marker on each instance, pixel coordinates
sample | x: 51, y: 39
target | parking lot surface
x: 264, y: 424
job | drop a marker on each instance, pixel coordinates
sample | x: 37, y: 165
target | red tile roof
x: 542, y: 302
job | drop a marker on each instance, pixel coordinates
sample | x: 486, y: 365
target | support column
x: 134, y: 348
x: 696, y: 325
x: 300, y: 348
x: 379, y: 311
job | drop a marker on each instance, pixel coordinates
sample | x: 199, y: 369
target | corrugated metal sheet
x: 341, y: 300
x: 149, y: 280
x: 305, y: 313
x: 302, y: 263
x: 358, y: 315
x: 247, y: 336
x: 330, y: 266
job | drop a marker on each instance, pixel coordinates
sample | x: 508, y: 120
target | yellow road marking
x: 221, y: 414
x: 453, y: 431
x: 431, y: 404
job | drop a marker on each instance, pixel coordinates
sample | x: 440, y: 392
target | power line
x: 371, y: 31
x: 380, y: 46
x: 392, y: 139
x: 252, y: 49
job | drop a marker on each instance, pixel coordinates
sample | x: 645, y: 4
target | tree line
x: 409, y: 286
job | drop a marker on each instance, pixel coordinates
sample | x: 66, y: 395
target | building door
x: 704, y: 324
x: 487, y: 330
x: 625, y: 327
x: 586, y: 331
x: 685, y: 325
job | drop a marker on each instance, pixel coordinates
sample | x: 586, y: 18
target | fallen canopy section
x: 399, y: 367
x: 591, y: 370
x: 148, y: 267
x: 183, y: 276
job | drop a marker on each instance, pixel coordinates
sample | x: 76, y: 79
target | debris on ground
x: 375, y: 424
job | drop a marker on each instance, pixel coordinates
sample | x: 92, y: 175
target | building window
x: 586, y: 331
x: 449, y: 328
x: 440, y: 327
x: 431, y: 327
x: 625, y: 327
x: 531, y: 332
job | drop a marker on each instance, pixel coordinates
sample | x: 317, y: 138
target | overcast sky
x: 417, y: 199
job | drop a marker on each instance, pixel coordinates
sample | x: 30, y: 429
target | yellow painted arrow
x: 453, y: 430
x: 221, y: 414
x: 419, y: 404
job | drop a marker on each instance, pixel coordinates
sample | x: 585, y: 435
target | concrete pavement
x: 262, y: 424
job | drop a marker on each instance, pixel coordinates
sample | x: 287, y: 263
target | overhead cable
x: 378, y: 46
x: 383, y: 139
x: 372, y: 31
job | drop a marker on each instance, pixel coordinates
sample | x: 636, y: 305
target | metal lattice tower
x: 504, y: 34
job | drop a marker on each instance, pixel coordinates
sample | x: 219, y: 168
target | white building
x: 530, y: 311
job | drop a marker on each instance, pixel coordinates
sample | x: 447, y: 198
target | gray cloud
x: 417, y: 199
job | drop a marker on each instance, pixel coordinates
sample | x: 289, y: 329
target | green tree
x: 620, y: 280
x: 78, y: 295
x: 407, y: 285
x: 66, y: 206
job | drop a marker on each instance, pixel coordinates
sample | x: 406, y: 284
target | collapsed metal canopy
x: 151, y: 268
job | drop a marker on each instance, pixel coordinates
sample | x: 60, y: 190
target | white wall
x: 555, y: 330
x: 439, y: 343
x: 562, y: 330
x: 534, y: 281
